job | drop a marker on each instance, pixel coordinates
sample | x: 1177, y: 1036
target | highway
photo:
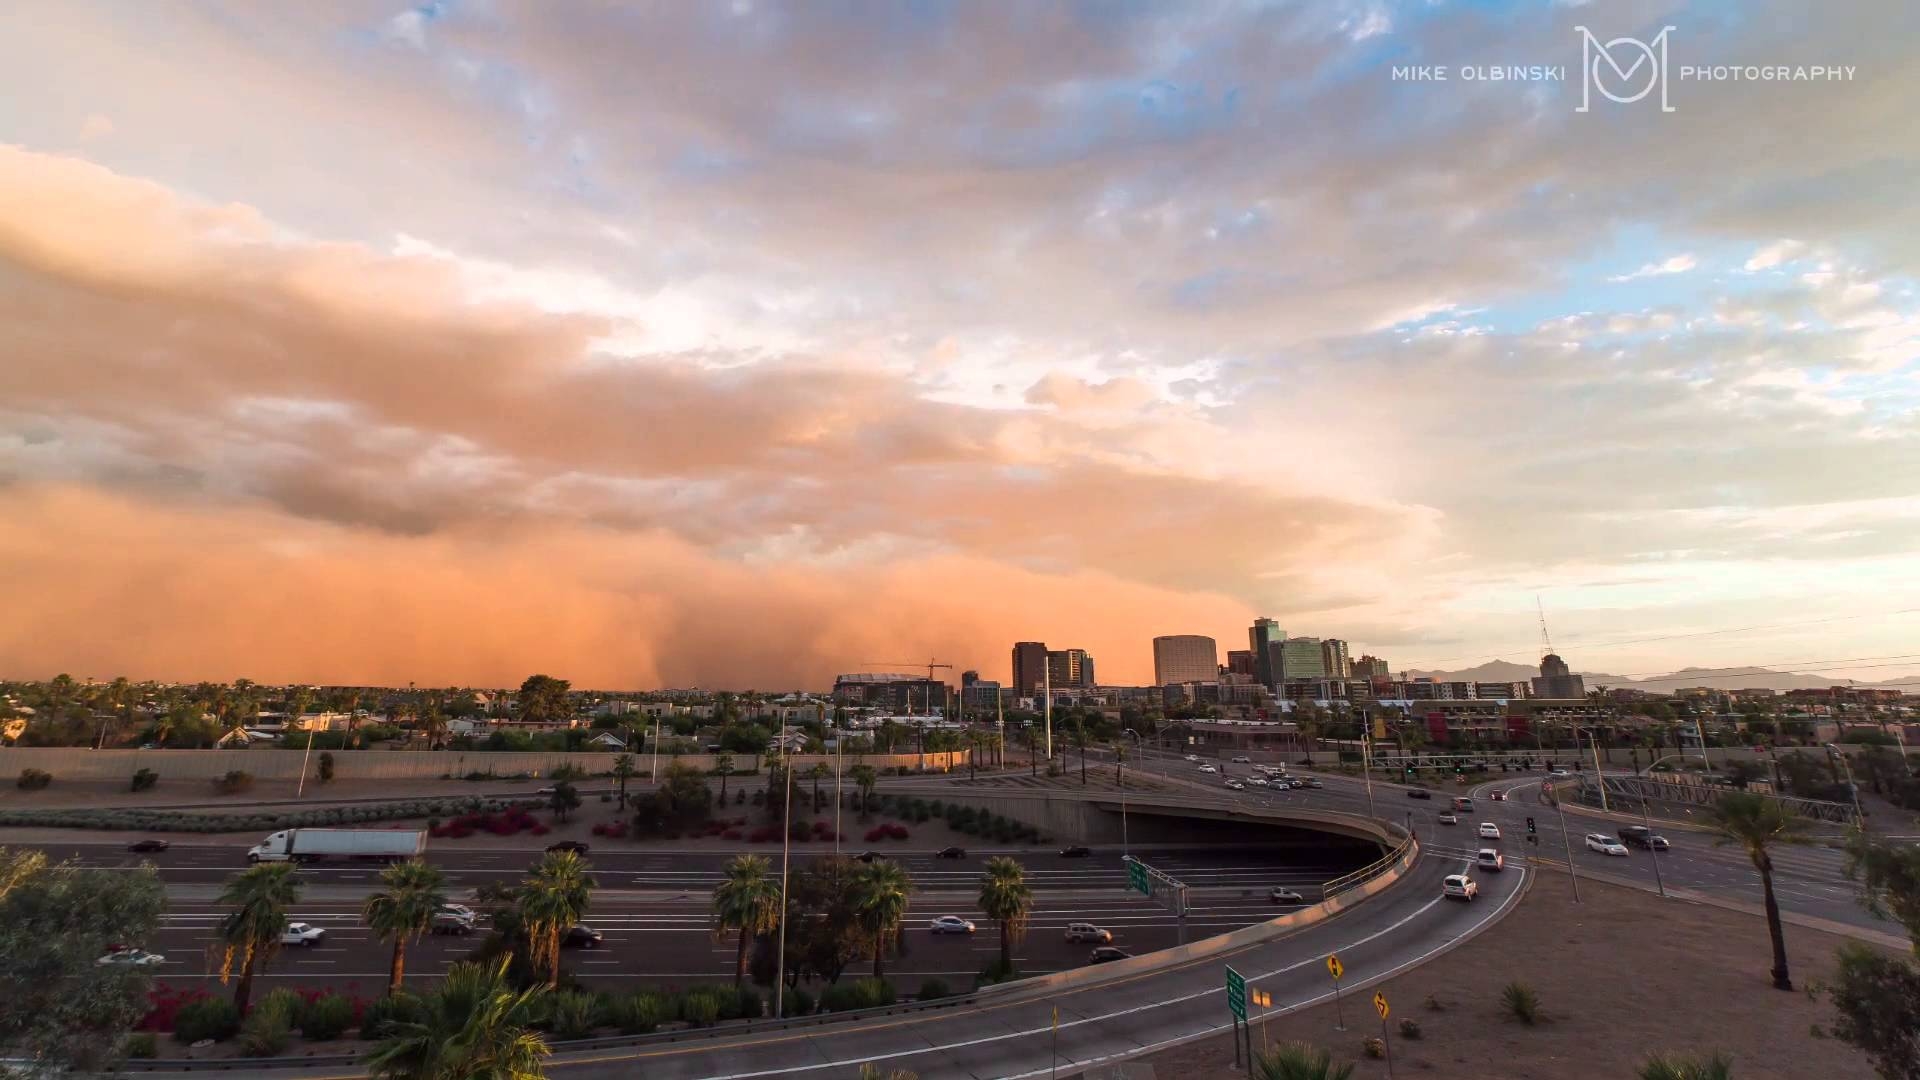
x: 1808, y: 879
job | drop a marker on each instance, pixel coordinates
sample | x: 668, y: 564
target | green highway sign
x: 1137, y: 878
x: 1236, y: 994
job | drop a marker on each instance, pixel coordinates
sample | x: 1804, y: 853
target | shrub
x: 839, y: 997
x: 571, y: 1014
x: 326, y: 766
x: 33, y: 779
x: 1409, y: 1028
x: 797, y: 1002
x: 385, y: 1012
x: 235, y: 782
x: 933, y: 990
x: 327, y: 1017
x: 700, y: 1007
x: 747, y: 1003
x: 269, y: 1025
x: 1374, y: 1047
x: 1678, y: 1067
x: 875, y: 993
x: 1519, y: 1001
x: 639, y: 1014
x: 144, y: 779
x: 142, y: 1045
x: 1433, y: 1003
x: 207, y: 1018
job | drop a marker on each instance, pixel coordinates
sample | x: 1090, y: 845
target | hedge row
x: 137, y: 820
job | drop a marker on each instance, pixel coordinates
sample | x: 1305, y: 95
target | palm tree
x: 880, y: 899
x: 1753, y: 823
x: 553, y: 899
x: 747, y: 902
x: 867, y: 778
x: 1006, y: 898
x: 818, y: 773
x: 1675, y: 1067
x: 723, y: 768
x: 477, y: 1027
x: 411, y: 893
x: 623, y: 771
x: 259, y: 897
x: 1298, y: 1061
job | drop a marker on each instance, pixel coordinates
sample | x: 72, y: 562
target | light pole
x: 1859, y: 818
x: 839, y: 769
x: 1366, y: 762
x: 1046, y: 683
x: 786, y: 835
x: 1599, y: 778
x: 1647, y: 822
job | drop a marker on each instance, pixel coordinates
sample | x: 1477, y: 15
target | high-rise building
x: 1263, y: 641
x: 1069, y: 668
x: 1300, y: 658
x: 1557, y: 680
x: 1370, y: 667
x: 1029, y: 667
x: 1333, y: 654
x: 1240, y: 662
x: 1185, y: 658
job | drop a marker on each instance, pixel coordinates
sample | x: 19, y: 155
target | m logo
x: 1601, y: 68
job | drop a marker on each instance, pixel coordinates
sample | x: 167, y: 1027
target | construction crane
x: 929, y: 665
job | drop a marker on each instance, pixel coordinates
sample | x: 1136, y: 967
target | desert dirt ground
x: 1620, y: 976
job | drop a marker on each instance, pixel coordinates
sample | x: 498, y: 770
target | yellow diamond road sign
x: 1380, y: 1005
x: 1334, y: 967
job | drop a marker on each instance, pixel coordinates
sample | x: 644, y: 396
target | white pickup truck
x: 313, y: 845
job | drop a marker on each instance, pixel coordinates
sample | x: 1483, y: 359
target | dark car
x: 950, y: 853
x: 147, y: 845
x: 1497, y: 796
x: 581, y: 937
x: 574, y: 846
x: 1419, y: 793
x: 869, y: 856
x: 1107, y: 954
x: 1077, y: 851
x: 1642, y: 837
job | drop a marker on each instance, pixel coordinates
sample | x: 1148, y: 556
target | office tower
x: 1070, y: 668
x: 1240, y: 662
x: 1370, y: 667
x: 1300, y: 658
x: 1185, y: 658
x: 1557, y: 680
x: 1029, y: 667
x: 1333, y: 653
x: 1263, y: 641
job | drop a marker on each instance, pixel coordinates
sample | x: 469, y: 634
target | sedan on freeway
x: 582, y: 937
x: 1489, y: 831
x: 574, y: 846
x: 1314, y: 783
x: 1082, y: 932
x: 950, y: 853
x: 1448, y: 817
x: 1077, y: 851
x: 1209, y: 769
x: 148, y: 845
x: 1236, y: 785
x: 1459, y: 887
x: 1107, y: 954
x: 130, y: 958
x: 1604, y: 844
x: 303, y: 934
x: 1285, y: 896
x: 1419, y: 793
x: 950, y: 924
x: 1497, y: 796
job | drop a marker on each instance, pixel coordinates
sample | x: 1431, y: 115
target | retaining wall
x: 79, y: 763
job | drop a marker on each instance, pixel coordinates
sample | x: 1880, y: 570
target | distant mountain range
x: 1734, y: 678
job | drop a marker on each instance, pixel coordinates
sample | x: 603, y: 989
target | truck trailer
x: 313, y: 845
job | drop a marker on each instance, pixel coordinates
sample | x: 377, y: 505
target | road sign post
x: 1386, y: 1044
x: 1137, y: 878
x: 1237, y: 1005
x: 1336, y: 969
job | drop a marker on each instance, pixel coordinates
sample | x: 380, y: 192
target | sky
x: 743, y: 343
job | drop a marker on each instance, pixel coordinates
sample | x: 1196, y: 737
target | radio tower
x: 1545, y: 640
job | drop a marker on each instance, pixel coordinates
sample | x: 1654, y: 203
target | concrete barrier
x: 80, y: 763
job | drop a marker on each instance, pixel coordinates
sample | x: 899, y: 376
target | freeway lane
x: 1808, y: 880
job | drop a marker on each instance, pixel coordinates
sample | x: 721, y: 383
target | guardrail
x: 1659, y: 788
x: 1368, y: 873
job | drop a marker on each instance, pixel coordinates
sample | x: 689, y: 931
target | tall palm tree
x: 1754, y: 823
x: 723, y: 768
x: 747, y: 902
x: 553, y: 898
x: 867, y: 778
x: 1298, y: 1061
x: 259, y: 897
x: 411, y: 892
x: 1006, y: 898
x: 880, y: 899
x: 623, y: 771
x: 477, y: 1027
x: 818, y: 773
x: 1675, y: 1067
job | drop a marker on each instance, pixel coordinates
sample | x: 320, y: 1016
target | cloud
x: 95, y: 126
x: 1774, y: 254
x: 1677, y: 264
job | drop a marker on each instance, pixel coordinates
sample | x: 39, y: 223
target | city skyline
x: 671, y: 348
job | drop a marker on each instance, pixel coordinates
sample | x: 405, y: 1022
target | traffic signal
x: 1530, y: 828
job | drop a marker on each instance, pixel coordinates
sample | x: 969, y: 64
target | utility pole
x: 786, y: 840
x: 1047, y: 684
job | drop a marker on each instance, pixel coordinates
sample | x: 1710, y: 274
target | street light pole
x: 1599, y: 778
x: 1366, y: 761
x: 1647, y: 821
x: 786, y: 835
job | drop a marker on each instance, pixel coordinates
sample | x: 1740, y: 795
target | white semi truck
x: 312, y: 845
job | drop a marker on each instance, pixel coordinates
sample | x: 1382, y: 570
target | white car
x: 1243, y: 760
x: 1489, y: 859
x: 1460, y: 887
x: 1489, y: 831
x: 1236, y: 785
x: 1193, y: 757
x: 303, y: 934
x: 1209, y: 769
x: 1448, y: 817
x: 1604, y: 844
x: 1257, y: 781
x: 1560, y: 774
x: 950, y: 924
x: 131, y: 958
